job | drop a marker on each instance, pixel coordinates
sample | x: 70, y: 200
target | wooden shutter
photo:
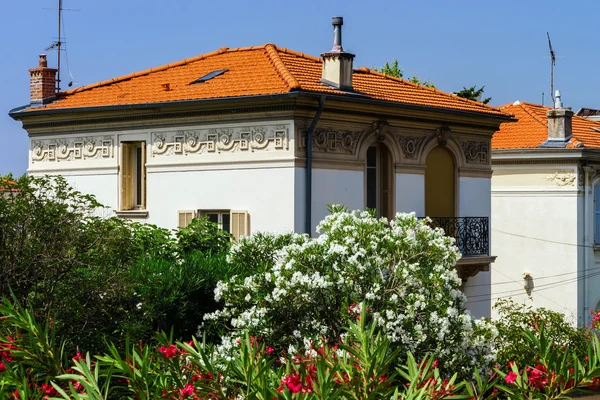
x: 185, y: 217
x: 239, y: 224
x: 126, y: 176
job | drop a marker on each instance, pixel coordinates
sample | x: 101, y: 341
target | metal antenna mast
x: 59, y: 43
x: 552, y: 63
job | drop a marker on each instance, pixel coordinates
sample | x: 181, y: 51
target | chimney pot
x: 43, y: 63
x: 560, y: 124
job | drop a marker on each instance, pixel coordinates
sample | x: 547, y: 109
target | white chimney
x: 337, y: 64
x: 560, y: 124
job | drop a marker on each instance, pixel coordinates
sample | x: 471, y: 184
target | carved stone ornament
x: 330, y: 140
x: 72, y: 149
x: 221, y: 140
x: 562, y: 178
x: 442, y: 134
x: 475, y: 152
x: 410, y: 145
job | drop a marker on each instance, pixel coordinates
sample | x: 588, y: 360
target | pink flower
x: 269, y: 350
x: 78, y: 357
x: 511, y: 377
x: 188, y: 390
x: 169, y: 352
x: 2, y: 367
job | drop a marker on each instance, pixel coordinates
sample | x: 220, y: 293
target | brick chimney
x: 42, y: 83
x: 560, y: 124
x: 337, y: 64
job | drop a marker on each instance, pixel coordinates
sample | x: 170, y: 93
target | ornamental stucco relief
x: 410, y: 145
x: 562, y: 178
x: 72, y: 149
x: 475, y: 152
x: 220, y: 140
x: 330, y: 140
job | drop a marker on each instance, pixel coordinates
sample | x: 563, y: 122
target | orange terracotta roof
x: 6, y: 185
x: 259, y: 70
x: 531, y: 129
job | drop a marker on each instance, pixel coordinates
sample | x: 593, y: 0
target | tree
x: 393, y: 69
x: 473, y: 94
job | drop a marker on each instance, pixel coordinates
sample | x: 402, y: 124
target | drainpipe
x: 308, y: 192
x: 586, y: 281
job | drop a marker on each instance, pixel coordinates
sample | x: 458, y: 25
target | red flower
x: 188, y: 390
x: 269, y: 350
x: 511, y: 377
x: 48, y: 389
x: 169, y: 352
x: 2, y: 367
x: 78, y: 357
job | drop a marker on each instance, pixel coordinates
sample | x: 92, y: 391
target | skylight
x: 209, y: 76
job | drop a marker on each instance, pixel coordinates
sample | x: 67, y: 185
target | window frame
x: 133, y: 176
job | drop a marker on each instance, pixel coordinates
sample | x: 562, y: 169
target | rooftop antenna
x: 58, y: 43
x: 552, y: 63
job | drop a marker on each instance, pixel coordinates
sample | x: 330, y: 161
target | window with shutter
x: 133, y: 176
x: 235, y: 222
x: 185, y: 217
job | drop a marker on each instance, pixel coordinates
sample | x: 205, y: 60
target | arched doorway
x: 439, y: 183
x: 379, y: 180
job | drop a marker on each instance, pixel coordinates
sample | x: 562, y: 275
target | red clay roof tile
x: 531, y: 129
x: 259, y: 70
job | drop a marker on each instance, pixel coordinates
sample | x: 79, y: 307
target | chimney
x: 560, y: 128
x: 42, y: 83
x: 337, y: 64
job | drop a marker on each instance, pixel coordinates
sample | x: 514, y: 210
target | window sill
x: 132, y: 214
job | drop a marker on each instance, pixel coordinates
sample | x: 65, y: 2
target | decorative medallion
x: 562, y: 178
x: 475, y: 152
x: 329, y: 140
x: 410, y: 145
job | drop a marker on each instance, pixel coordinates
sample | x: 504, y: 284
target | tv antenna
x: 59, y: 43
x: 552, y: 63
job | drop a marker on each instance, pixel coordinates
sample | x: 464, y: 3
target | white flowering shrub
x: 401, y: 270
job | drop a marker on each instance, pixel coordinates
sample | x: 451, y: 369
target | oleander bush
x: 310, y: 288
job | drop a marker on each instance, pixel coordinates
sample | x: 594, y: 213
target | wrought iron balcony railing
x: 471, y: 233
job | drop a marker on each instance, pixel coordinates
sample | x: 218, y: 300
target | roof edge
x: 280, y: 67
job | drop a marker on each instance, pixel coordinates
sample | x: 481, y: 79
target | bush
x: 514, y: 319
x: 401, y: 270
x: 204, y: 236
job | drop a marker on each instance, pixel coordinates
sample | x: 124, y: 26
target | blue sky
x: 501, y: 45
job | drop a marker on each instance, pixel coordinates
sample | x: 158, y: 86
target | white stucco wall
x: 474, y: 197
x: 535, y: 229
x: 332, y: 186
x: 410, y: 193
x: 266, y: 193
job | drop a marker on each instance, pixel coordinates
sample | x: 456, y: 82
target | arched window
x: 597, y: 213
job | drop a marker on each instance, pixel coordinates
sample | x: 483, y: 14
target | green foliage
x: 393, y: 69
x: 151, y: 240
x: 176, y: 295
x: 514, y: 322
x: 204, y: 236
x: 472, y: 93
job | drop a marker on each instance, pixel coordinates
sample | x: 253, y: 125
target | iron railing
x: 471, y: 233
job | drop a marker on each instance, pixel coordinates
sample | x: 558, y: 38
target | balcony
x: 472, y: 236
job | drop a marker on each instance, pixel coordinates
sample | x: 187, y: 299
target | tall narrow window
x: 597, y: 214
x: 133, y: 176
x: 439, y: 183
x: 379, y: 194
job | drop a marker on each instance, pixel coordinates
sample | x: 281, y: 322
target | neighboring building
x: 589, y: 113
x: 546, y: 210
x: 225, y: 135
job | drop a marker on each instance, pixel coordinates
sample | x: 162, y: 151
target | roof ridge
x: 394, y: 78
x: 159, y: 68
x: 527, y: 108
x: 298, y: 54
x: 280, y: 67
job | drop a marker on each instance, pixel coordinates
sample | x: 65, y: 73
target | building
x: 264, y: 139
x: 546, y: 210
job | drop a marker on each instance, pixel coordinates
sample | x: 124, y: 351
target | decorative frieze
x: 562, y: 178
x: 220, y: 140
x: 330, y: 140
x: 72, y: 149
x: 410, y: 145
x: 475, y: 152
